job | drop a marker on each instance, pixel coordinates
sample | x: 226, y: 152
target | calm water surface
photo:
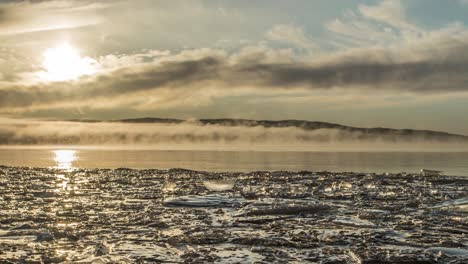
x: 452, y: 163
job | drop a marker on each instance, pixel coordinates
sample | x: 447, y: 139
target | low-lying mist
x: 192, y: 135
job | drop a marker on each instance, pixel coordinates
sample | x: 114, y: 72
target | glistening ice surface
x: 176, y: 216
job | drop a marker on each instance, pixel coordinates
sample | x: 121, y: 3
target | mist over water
x: 191, y: 145
x: 195, y: 136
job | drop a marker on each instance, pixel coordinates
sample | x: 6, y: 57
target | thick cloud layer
x: 433, y: 69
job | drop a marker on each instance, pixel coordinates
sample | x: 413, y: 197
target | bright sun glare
x: 65, y: 63
x: 64, y: 159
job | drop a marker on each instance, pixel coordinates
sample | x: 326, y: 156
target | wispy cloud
x: 292, y: 34
x: 390, y: 12
x: 385, y: 23
x: 28, y: 16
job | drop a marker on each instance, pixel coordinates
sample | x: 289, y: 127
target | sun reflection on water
x: 64, y: 159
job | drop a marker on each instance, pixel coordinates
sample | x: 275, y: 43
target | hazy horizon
x: 132, y: 119
x: 192, y: 135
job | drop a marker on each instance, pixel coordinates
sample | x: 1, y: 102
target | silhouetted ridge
x: 363, y: 133
x: 151, y: 120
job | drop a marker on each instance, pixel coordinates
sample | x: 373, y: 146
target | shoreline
x: 227, y: 172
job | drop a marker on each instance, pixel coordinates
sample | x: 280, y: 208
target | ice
x: 449, y: 251
x: 219, y: 186
x: 270, y: 206
x: 209, y: 200
x: 102, y: 248
x: 457, y: 202
x: 354, y: 221
x: 176, y: 215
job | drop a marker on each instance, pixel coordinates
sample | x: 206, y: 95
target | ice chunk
x: 449, y: 251
x: 44, y: 237
x: 354, y: 221
x: 457, y: 202
x: 211, y: 200
x: 219, y: 186
x: 270, y: 206
x: 102, y: 248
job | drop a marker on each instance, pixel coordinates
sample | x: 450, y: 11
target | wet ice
x: 128, y: 216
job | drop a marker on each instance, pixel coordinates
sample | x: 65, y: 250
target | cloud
x: 106, y: 86
x: 32, y: 16
x: 387, y: 59
x: 384, y: 24
x: 390, y: 12
x: 435, y: 64
x: 354, y: 30
x: 292, y: 34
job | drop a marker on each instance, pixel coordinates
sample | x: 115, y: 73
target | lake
x: 452, y: 163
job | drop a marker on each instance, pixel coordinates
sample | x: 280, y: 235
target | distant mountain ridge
x: 307, y: 125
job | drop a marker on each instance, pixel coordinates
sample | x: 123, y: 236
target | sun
x: 64, y: 62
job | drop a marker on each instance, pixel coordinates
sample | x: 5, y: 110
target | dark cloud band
x: 444, y: 71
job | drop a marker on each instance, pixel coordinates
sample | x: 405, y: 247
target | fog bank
x: 193, y: 135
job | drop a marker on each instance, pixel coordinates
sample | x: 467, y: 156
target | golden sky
x: 364, y: 63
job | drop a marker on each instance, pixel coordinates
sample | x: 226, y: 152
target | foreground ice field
x: 174, y: 216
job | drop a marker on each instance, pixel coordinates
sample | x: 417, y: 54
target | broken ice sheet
x: 180, y: 215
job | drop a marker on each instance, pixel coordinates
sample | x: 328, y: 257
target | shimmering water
x: 452, y: 163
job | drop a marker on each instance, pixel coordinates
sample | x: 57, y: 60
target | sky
x: 399, y: 64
